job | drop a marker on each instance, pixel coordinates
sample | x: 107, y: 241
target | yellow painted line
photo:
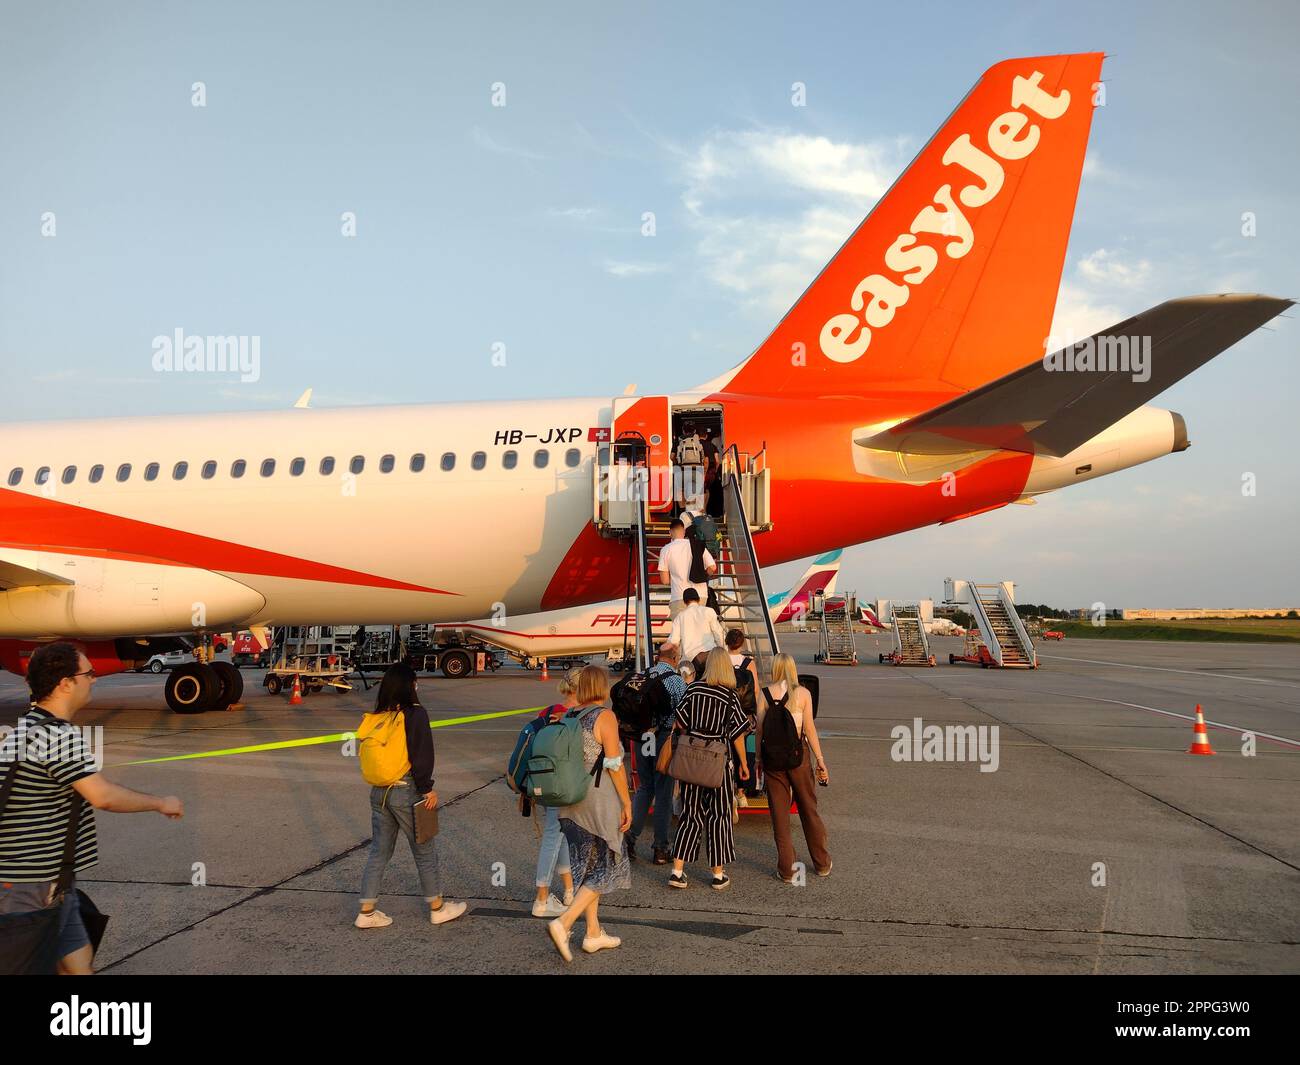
x: 309, y: 741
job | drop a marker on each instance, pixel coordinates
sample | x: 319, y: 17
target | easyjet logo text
x: 1011, y: 136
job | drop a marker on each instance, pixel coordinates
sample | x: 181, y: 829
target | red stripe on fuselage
x: 34, y: 523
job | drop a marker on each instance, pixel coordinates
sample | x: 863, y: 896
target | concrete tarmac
x: 939, y: 867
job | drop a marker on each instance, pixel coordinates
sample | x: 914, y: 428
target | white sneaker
x: 568, y: 898
x: 560, y: 938
x: 552, y: 907
x: 604, y: 941
x: 448, y: 911
x: 373, y: 919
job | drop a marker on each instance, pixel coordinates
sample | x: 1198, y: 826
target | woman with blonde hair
x: 595, y: 826
x: 553, y: 854
x: 787, y: 746
x: 710, y: 711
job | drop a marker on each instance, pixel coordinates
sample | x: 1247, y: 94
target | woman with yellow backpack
x: 395, y: 745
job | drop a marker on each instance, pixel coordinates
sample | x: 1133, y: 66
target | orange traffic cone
x: 545, y: 673
x: 296, y: 698
x: 1200, y: 738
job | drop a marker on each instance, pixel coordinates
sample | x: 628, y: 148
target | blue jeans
x: 554, y: 853
x: 652, y: 785
x: 391, y: 815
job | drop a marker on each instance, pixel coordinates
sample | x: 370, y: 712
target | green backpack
x: 556, y: 767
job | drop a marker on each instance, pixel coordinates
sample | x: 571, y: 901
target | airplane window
x: 296, y: 467
x: 151, y: 472
x: 386, y: 464
x: 572, y: 457
x: 96, y: 472
x: 448, y: 461
x: 268, y: 467
x: 358, y: 463
x: 417, y: 463
x: 42, y: 475
x: 180, y: 470
x: 15, y: 475
x: 478, y: 460
x: 209, y: 470
x: 124, y: 471
x: 541, y: 457
x: 238, y: 467
x: 69, y: 474
x: 510, y: 459
x: 327, y: 465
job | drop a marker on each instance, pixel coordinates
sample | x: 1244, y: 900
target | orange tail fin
x: 953, y: 276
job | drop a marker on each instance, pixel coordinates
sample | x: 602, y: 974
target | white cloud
x: 1080, y: 313
x: 577, y: 214
x: 1107, y: 267
x: 490, y: 144
x: 750, y: 243
x: 622, y: 269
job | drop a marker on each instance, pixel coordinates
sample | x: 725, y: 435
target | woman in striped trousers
x: 710, y: 710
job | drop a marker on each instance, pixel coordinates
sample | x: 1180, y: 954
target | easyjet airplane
x: 906, y: 386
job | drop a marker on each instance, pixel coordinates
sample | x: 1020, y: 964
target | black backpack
x: 698, y: 573
x: 745, y: 687
x: 639, y: 701
x: 782, y: 744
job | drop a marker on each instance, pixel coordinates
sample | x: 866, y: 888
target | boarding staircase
x: 738, y: 582
x: 911, y: 644
x: 994, y: 610
x: 836, y: 645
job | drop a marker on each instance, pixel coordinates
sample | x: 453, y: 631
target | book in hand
x: 426, y: 822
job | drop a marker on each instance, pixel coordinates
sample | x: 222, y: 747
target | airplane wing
x: 15, y: 576
x: 1049, y: 408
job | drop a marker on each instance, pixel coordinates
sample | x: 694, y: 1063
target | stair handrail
x: 985, y: 625
x: 739, y: 535
x: 1017, y: 625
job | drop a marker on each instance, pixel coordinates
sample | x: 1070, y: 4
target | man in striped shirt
x: 48, y: 769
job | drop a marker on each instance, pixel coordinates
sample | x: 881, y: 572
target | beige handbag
x: 698, y: 761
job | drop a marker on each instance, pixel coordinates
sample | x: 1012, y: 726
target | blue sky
x: 522, y: 225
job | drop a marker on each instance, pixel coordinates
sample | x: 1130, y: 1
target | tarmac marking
x: 1186, y: 717
x: 1167, y: 669
x: 309, y: 741
x: 1225, y: 726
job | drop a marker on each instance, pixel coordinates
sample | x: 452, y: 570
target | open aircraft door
x: 650, y: 418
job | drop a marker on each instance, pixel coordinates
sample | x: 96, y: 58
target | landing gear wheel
x: 952, y: 660
x: 232, y: 685
x: 192, y: 688
x: 273, y: 684
x: 456, y: 664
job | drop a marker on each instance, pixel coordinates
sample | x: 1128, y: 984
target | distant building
x: 1185, y: 613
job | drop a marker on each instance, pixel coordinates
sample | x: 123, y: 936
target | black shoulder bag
x: 29, y: 941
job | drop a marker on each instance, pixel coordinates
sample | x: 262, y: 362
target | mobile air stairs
x: 835, y: 645
x: 911, y: 645
x: 623, y: 508
x: 1004, y: 637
